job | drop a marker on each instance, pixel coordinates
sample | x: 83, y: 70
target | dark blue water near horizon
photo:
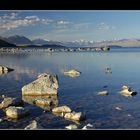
x: 79, y: 93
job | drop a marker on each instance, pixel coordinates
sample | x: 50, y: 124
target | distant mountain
x: 16, y: 39
x: 44, y: 42
x: 40, y: 41
x: 24, y: 41
x: 6, y: 44
x: 117, y: 43
x: 122, y: 42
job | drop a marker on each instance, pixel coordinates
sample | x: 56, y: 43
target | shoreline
x: 85, y: 49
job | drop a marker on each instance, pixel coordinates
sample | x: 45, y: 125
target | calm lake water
x: 79, y: 93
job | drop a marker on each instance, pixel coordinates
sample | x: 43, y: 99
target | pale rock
x: 88, y: 126
x: 74, y: 116
x: 103, y: 92
x: 13, y: 112
x: 126, y: 91
x: 33, y: 125
x: 71, y: 127
x: 8, y: 101
x: 118, y: 108
x: 46, y: 84
x: 61, y: 109
x: 72, y: 73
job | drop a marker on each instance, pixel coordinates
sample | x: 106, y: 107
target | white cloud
x: 13, y: 21
x: 62, y: 22
x: 46, y: 21
x: 105, y: 27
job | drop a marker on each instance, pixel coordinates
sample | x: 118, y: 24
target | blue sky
x: 71, y: 25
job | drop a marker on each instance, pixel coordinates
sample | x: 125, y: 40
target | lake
x: 79, y: 93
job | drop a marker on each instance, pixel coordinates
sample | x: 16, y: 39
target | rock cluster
x: 67, y: 113
x: 13, y: 107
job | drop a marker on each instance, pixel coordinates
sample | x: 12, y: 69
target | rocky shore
x: 85, y: 49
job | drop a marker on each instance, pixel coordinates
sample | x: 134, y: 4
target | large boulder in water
x: 46, y: 84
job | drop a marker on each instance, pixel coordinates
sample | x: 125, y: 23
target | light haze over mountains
x: 17, y: 39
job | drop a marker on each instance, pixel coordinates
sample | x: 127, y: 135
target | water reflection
x: 3, y: 72
x: 32, y: 100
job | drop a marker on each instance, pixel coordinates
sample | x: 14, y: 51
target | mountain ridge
x: 22, y: 40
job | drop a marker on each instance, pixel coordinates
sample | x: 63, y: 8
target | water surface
x: 80, y: 93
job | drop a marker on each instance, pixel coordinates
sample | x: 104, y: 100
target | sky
x: 88, y: 25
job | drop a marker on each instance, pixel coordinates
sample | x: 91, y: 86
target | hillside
x: 16, y: 39
x: 6, y: 44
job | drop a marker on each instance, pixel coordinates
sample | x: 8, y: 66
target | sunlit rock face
x: 46, y: 84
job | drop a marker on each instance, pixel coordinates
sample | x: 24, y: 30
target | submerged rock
x: 71, y: 127
x: 126, y: 91
x: 8, y: 101
x: 44, y: 85
x: 118, y: 108
x: 129, y: 115
x: 74, y: 116
x: 13, y: 112
x: 72, y: 73
x: 33, y: 125
x: 103, y: 92
x: 105, y: 86
x: 61, y: 110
